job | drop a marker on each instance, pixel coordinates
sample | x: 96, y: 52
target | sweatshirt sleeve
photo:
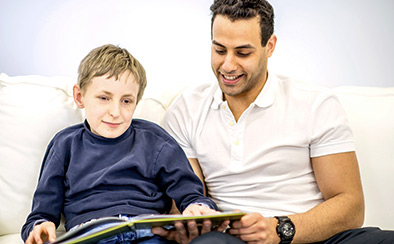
x: 177, y: 177
x: 48, y: 197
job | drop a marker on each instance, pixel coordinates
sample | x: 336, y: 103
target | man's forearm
x: 340, y: 213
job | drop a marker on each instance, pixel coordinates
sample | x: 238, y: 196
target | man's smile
x: 231, y: 79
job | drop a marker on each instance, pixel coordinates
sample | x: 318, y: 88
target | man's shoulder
x: 296, y: 88
x: 194, y: 97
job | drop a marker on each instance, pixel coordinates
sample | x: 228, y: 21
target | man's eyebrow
x: 248, y: 46
x: 217, y: 43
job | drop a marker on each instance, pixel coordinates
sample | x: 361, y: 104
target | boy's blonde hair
x: 112, y: 61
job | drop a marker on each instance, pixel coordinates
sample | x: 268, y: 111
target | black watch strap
x: 285, y: 229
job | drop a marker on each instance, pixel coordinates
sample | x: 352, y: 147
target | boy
x: 111, y: 165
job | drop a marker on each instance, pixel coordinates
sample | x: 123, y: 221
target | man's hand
x: 184, y: 234
x: 254, y: 228
x: 41, y: 233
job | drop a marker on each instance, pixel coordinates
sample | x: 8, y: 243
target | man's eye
x: 243, y: 54
x: 220, y: 51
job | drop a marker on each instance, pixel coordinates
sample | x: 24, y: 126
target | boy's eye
x: 103, y: 98
x: 127, y: 101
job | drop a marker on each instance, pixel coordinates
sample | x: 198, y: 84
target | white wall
x: 329, y: 42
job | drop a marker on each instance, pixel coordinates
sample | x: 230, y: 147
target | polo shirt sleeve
x: 330, y: 130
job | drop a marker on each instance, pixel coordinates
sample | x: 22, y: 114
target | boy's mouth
x: 112, y: 125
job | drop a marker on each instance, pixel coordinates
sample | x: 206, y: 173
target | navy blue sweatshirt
x: 85, y: 176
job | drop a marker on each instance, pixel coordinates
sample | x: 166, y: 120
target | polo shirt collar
x: 267, y: 96
x: 217, y: 97
x: 264, y: 99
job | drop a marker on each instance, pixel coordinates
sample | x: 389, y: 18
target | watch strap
x: 284, y: 226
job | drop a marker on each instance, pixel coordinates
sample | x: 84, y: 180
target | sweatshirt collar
x: 102, y: 139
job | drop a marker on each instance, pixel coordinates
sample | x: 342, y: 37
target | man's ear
x: 77, y: 94
x: 271, y: 45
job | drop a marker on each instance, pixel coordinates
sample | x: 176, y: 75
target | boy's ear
x: 77, y: 94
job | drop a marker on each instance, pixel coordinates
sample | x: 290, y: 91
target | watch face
x: 287, y: 229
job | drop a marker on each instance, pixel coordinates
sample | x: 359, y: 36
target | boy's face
x: 109, y: 104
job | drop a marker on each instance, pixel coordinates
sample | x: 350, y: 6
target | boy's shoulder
x: 145, y: 126
x: 142, y: 124
x: 69, y: 132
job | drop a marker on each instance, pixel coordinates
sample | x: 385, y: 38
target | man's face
x: 109, y: 104
x: 237, y: 57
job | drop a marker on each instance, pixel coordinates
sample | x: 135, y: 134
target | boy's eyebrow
x: 124, y: 95
x: 249, y: 46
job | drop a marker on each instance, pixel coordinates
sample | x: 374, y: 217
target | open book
x: 115, y: 225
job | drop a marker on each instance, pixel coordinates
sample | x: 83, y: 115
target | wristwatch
x: 285, y: 229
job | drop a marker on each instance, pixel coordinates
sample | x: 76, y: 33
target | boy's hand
x: 197, y: 209
x: 46, y: 231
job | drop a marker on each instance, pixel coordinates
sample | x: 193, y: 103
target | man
x: 267, y: 145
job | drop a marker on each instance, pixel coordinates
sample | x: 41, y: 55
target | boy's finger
x: 37, y: 234
x: 51, y: 233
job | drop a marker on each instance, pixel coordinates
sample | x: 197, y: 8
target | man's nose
x: 229, y: 64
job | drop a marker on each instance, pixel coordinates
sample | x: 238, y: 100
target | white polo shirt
x: 262, y: 162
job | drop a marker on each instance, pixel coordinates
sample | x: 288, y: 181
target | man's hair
x: 247, y: 9
x: 112, y: 61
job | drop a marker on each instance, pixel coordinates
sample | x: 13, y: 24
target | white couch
x: 33, y: 108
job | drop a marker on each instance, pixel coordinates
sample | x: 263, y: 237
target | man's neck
x: 238, y: 104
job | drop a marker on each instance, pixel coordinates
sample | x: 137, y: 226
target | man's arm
x: 339, y: 181
x: 197, y: 170
x: 338, y: 178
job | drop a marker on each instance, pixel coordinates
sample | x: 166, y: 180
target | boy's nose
x: 114, y: 110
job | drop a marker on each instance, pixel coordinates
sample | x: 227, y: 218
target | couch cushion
x: 32, y: 109
x: 156, y: 101
x: 11, y: 239
x: 370, y: 113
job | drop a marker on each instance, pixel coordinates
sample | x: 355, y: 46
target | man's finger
x: 223, y: 226
x: 206, y: 226
x: 162, y: 232
x: 182, y: 237
x: 193, y: 229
